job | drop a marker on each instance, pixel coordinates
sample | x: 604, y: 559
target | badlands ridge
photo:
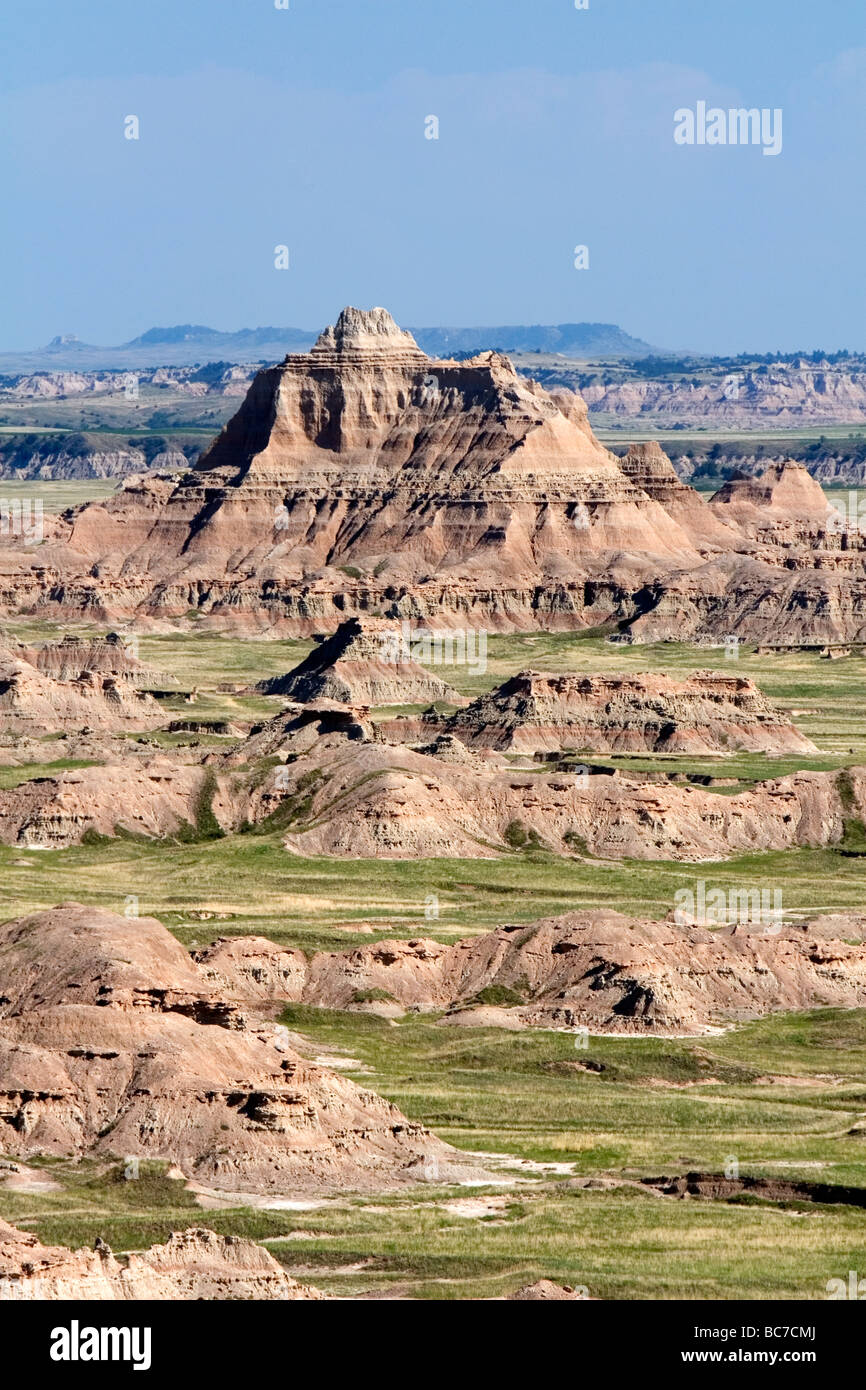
x: 365, y: 477
x: 364, y: 489
x: 471, y: 780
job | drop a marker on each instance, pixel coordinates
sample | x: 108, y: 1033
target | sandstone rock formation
x: 707, y: 713
x: 366, y: 800
x: 365, y: 477
x: 366, y: 662
x: 595, y: 969
x: 648, y: 466
x: 785, y: 395
x: 192, y: 1264
x: 114, y: 1043
x: 783, y: 506
x: 546, y: 1291
x: 30, y: 698
x: 332, y: 784
x: 156, y: 799
x: 75, y: 658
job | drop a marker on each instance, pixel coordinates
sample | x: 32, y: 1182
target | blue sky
x: 305, y: 127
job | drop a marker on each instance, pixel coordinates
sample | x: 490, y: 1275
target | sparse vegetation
x: 625, y: 1108
x: 658, y: 1105
x: 499, y: 996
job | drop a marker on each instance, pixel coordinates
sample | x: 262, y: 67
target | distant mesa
x: 567, y: 339
x: 186, y: 342
x: 197, y: 335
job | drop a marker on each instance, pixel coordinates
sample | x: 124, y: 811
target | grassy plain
x: 658, y: 1107
x: 783, y: 1097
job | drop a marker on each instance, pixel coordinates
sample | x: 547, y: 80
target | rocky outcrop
x: 251, y: 967
x: 156, y: 798
x: 366, y: 662
x: 707, y: 713
x: 782, y: 396
x: 594, y: 969
x: 331, y: 783
x: 363, y: 477
x: 114, y: 1043
x: 192, y: 1264
x: 75, y: 658
x: 31, y: 699
x: 650, y: 468
x: 352, y: 471
x: 368, y: 800
x: 782, y: 506
x: 546, y: 1291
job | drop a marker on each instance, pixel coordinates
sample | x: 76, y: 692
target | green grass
x: 252, y: 885
x: 621, y: 1107
x: 28, y: 772
x: 656, y: 1107
x: 56, y: 496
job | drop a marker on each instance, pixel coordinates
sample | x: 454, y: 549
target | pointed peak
x: 365, y: 330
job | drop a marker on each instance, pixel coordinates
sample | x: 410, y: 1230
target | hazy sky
x: 305, y: 127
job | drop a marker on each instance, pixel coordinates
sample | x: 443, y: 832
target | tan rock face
x: 251, y: 967
x: 546, y: 1291
x: 114, y: 1043
x: 154, y: 799
x: 192, y: 1264
x: 649, y: 467
x: 74, y: 658
x: 366, y: 478
x: 783, y: 506
x: 366, y: 662
x: 786, y: 396
x: 708, y: 713
x: 593, y: 969
x: 370, y: 800
x: 30, y: 698
x: 341, y: 788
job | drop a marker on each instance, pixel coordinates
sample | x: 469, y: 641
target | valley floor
x: 574, y: 1129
